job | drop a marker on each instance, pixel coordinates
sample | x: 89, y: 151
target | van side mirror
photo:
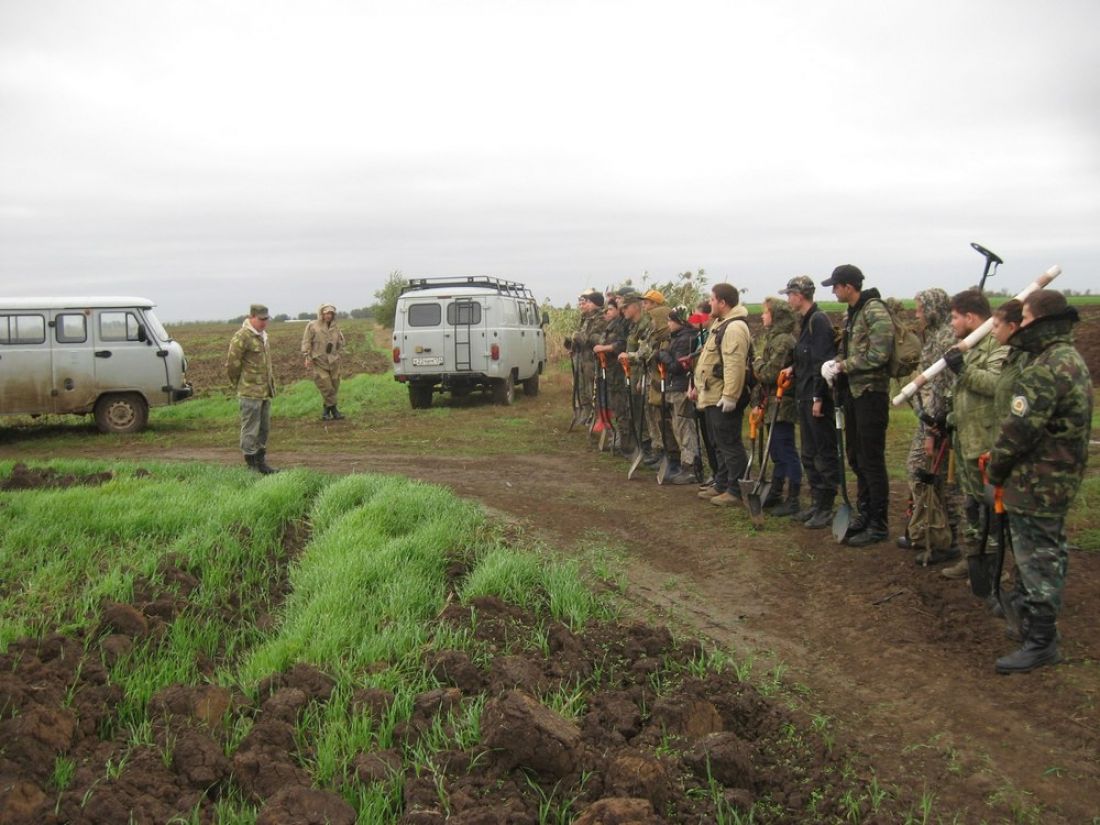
x: 143, y: 336
x: 546, y: 319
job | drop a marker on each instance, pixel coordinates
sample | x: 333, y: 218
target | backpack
x: 750, y: 371
x: 905, y: 357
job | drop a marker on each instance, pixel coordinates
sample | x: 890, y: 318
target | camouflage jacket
x: 938, y: 338
x: 1002, y: 393
x: 868, y: 344
x: 775, y: 352
x: 248, y: 364
x: 1043, y: 446
x: 973, y: 415
x: 322, y: 343
x: 589, y: 333
x: 650, y: 335
x: 615, y: 334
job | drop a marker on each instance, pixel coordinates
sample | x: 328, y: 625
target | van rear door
x: 126, y: 356
x: 26, y: 377
x: 424, y: 349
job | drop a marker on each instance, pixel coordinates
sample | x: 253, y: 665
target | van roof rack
x: 513, y: 288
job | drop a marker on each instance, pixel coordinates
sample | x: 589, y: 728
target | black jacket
x: 682, y: 344
x: 815, y: 346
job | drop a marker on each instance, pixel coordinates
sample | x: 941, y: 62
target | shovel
x: 576, y: 392
x: 982, y: 568
x: 662, y: 468
x: 844, y: 511
x: 635, y: 431
x: 764, y: 485
x: 756, y: 451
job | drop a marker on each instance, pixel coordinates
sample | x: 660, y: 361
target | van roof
x: 78, y: 302
x: 449, y: 291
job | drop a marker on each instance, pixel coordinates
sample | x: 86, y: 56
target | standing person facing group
x: 322, y: 347
x: 248, y: 366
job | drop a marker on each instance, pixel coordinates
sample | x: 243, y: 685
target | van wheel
x: 531, y: 385
x: 420, y: 396
x: 504, y: 390
x: 123, y: 412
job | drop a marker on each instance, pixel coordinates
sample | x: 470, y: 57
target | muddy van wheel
x: 121, y: 412
x: 420, y: 397
x: 504, y: 390
x: 531, y: 385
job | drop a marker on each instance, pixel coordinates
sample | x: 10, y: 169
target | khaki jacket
x: 323, y: 343
x: 248, y: 363
x: 736, y: 342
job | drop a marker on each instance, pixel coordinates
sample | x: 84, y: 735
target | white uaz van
x: 107, y: 356
x: 458, y: 334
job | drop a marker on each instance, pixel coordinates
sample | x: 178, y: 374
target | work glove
x: 954, y: 359
x: 829, y: 371
x: 727, y: 405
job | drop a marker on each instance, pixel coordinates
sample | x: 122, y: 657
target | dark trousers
x: 784, y: 456
x: 819, y: 456
x: 708, y: 444
x: 865, y: 421
x: 729, y: 452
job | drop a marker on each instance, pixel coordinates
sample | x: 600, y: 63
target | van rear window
x: 424, y: 315
x: 22, y: 329
x: 464, y: 312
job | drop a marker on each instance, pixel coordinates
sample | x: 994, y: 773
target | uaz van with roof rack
x: 460, y: 334
x: 108, y: 356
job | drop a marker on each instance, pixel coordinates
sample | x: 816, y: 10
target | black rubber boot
x: 261, y: 465
x: 823, y: 516
x: 775, y: 495
x: 250, y: 460
x: 875, y: 532
x: 1040, y: 648
x: 810, y: 511
x: 327, y: 414
x: 791, y: 504
x: 336, y: 414
x: 653, y: 458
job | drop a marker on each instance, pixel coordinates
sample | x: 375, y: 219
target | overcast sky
x: 210, y: 154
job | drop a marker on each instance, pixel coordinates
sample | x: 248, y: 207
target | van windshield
x: 158, y: 330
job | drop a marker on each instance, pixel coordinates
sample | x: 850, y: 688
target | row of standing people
x: 1021, y: 398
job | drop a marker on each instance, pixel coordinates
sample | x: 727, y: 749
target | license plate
x: 434, y: 361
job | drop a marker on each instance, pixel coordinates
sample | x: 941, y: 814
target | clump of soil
x: 25, y: 478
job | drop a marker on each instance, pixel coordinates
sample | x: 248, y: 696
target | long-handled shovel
x: 756, y: 449
x: 662, y: 468
x: 603, y: 405
x: 843, y: 514
x: 576, y: 392
x: 763, y: 484
x: 637, y: 456
x: 984, y: 569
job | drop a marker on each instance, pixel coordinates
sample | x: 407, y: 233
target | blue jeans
x: 783, y: 455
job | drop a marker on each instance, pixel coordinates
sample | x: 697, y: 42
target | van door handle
x: 102, y: 353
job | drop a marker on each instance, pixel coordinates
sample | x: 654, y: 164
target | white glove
x: 726, y: 405
x: 829, y: 371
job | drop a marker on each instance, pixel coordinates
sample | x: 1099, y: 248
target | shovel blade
x: 662, y: 470
x: 756, y: 510
x: 982, y: 569
x: 635, y: 461
x: 841, y: 520
x: 747, y: 485
x: 602, y: 443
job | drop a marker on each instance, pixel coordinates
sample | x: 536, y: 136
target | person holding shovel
x: 1039, y: 458
x: 677, y: 358
x: 775, y: 355
x: 589, y: 333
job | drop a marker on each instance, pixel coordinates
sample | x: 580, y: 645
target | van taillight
x: 397, y: 355
x: 494, y: 352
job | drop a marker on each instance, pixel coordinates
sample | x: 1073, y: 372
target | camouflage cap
x: 258, y: 311
x: 629, y: 297
x: 802, y: 284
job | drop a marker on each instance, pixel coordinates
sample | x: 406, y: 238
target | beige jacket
x: 736, y: 341
x: 323, y: 343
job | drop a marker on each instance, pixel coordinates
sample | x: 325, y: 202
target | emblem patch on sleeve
x: 1020, y: 406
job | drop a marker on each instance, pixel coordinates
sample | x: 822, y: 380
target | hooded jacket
x: 1043, y: 445
x: 775, y: 353
x: 323, y: 343
x: 938, y: 338
x: 868, y: 344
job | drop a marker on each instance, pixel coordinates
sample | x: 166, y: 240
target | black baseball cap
x: 845, y: 274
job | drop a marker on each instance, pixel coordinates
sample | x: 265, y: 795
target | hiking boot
x: 652, y: 458
x: 809, y: 512
x: 709, y: 492
x: 958, y: 570
x: 775, y: 495
x: 1040, y: 648
x: 791, y: 505
x: 939, y: 557
x: 820, y: 519
x: 336, y: 414
x: 327, y: 414
x: 875, y: 532
x: 260, y: 463
x: 858, y: 523
x: 725, y: 500
x: 683, y: 477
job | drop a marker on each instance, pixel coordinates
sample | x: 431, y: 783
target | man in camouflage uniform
x: 862, y: 378
x: 650, y: 336
x: 1039, y: 458
x: 589, y: 333
x: 926, y: 466
x: 322, y: 345
x: 774, y: 354
x: 614, y: 342
x: 973, y: 418
x: 248, y: 366
x: 720, y: 391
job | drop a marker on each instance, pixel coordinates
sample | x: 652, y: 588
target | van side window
x: 424, y: 315
x: 71, y: 328
x: 464, y: 313
x: 22, y: 329
x: 118, y: 326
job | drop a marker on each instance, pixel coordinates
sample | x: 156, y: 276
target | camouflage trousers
x: 918, y: 461
x: 682, y: 415
x: 586, y: 386
x: 1039, y: 545
x: 327, y: 379
x: 255, y: 424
